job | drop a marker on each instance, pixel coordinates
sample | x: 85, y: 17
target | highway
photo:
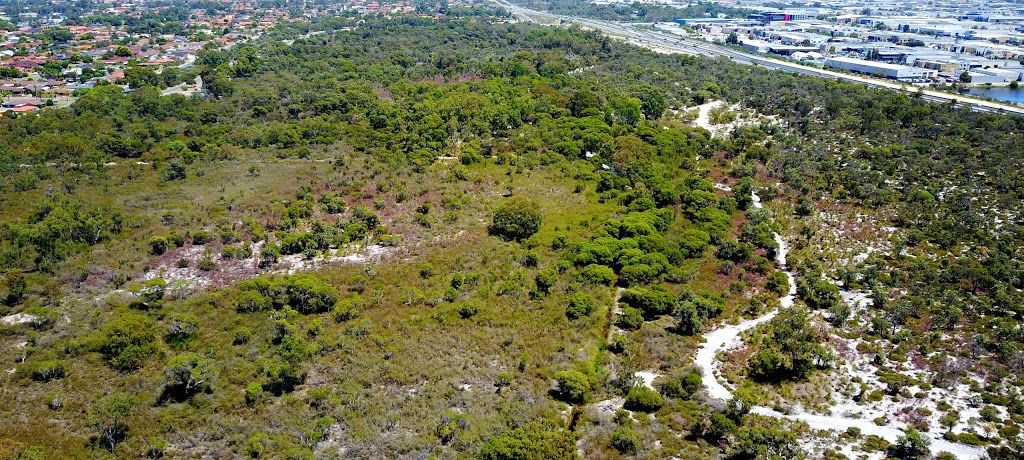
x: 670, y: 43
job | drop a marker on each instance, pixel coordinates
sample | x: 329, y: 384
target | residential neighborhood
x: 47, y: 57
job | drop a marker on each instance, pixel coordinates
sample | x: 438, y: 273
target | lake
x: 1001, y: 93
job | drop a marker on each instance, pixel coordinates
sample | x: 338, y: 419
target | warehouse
x: 893, y: 71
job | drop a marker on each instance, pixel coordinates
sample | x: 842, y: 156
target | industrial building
x: 893, y: 71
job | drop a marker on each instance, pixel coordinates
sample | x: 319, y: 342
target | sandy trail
x: 728, y: 337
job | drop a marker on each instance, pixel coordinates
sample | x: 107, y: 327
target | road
x: 670, y: 43
x: 194, y: 87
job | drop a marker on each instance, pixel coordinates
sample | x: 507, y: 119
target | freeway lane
x: 666, y: 42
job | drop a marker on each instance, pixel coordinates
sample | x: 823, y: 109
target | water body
x: 728, y: 337
x: 1000, y: 92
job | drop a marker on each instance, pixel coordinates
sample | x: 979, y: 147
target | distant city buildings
x: 903, y: 40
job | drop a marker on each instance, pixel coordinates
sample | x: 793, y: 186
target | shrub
x: 468, y: 310
x: 682, y: 387
x: 531, y: 259
x: 202, y: 237
x: 573, y: 386
x: 631, y: 319
x: 517, y: 219
x: 626, y: 440
x: 128, y: 340
x: 242, y: 336
x: 534, y: 440
x: 778, y: 283
x: 503, y: 380
x: 206, y: 264
x: 110, y: 412
x: 157, y: 245
x: 188, y: 374
x: 619, y: 343
x: 347, y: 309
x: 911, y: 445
x: 545, y: 279
x: 253, y: 394
x: 181, y: 329
x: 643, y: 399
x: 48, y: 370
x: 597, y: 274
x: 580, y: 304
x: 42, y: 317
x: 251, y: 301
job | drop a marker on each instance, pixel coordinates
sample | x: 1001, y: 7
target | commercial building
x: 761, y: 46
x: 777, y: 16
x: 938, y: 66
x: 893, y: 71
x: 993, y: 76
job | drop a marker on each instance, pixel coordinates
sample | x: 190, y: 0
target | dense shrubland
x: 516, y: 199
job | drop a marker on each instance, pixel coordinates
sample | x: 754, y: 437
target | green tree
x: 768, y: 442
x: 545, y: 279
x: 138, y: 77
x: 517, y: 219
x: 789, y: 349
x: 109, y: 414
x: 689, y: 319
x: 188, y: 374
x: 965, y: 77
x: 583, y: 103
x: 627, y: 110
x: 911, y: 446
x: 652, y: 103
x: 631, y: 319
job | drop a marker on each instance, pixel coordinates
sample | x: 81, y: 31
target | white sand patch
x: 890, y: 432
x: 845, y: 414
x: 742, y: 117
x: 17, y: 318
x: 648, y: 378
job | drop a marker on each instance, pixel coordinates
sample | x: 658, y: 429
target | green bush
x: 157, y: 245
x: 619, y: 343
x: 545, y: 279
x: 188, y: 374
x: 44, y: 371
x: 128, y: 340
x: 253, y: 394
x: 533, y: 441
x: 517, y: 219
x: 598, y: 275
x: 778, y: 283
x: 242, y: 336
x: 580, y: 304
x: 643, y: 399
x: 573, y: 386
x: 626, y: 440
x: 631, y: 319
x: 202, y: 237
